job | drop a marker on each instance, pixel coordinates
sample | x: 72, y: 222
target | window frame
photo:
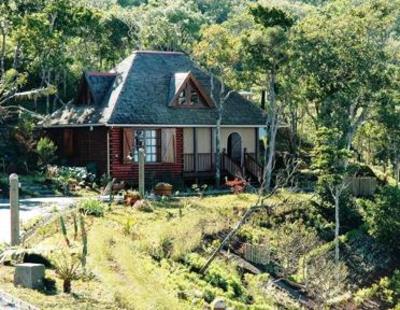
x: 188, y: 103
x: 152, y: 157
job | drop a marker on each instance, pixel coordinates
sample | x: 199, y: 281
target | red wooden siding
x: 86, y: 146
x: 154, y: 171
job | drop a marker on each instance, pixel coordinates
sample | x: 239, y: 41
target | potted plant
x: 163, y: 189
x: 131, y: 197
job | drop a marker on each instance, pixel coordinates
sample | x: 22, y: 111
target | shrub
x: 194, y: 261
x: 46, y: 149
x: 386, y: 291
x: 382, y: 216
x: 91, y: 207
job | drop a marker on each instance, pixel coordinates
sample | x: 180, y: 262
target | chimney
x: 263, y: 99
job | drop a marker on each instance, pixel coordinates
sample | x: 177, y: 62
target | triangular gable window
x: 190, y: 94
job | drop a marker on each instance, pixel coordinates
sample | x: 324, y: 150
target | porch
x: 203, y: 165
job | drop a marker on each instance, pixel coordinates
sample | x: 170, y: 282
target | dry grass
x: 136, y: 258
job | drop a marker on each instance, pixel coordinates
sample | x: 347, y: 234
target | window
x: 190, y: 96
x: 182, y: 97
x: 149, y: 139
x: 194, y: 97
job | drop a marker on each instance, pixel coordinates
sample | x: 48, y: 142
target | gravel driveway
x: 29, y: 208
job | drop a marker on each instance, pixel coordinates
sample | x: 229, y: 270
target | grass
x: 140, y: 260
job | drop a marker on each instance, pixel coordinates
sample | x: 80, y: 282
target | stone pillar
x: 14, y: 209
x: 141, y: 172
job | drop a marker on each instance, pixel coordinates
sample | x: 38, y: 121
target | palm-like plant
x: 67, y: 265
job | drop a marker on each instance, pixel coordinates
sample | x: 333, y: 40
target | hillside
x: 151, y: 257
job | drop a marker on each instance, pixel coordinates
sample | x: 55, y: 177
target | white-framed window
x: 149, y: 139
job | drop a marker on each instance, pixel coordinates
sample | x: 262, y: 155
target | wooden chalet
x: 162, y: 101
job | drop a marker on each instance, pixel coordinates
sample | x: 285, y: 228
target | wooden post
x: 195, y: 150
x: 141, y: 172
x: 14, y: 209
x: 243, y: 162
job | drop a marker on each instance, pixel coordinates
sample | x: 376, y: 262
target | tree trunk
x: 218, y: 151
x: 271, y: 133
x: 67, y: 286
x: 397, y: 169
x: 3, y: 49
x: 337, y: 224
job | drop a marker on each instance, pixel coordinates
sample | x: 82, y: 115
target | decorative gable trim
x: 189, y: 78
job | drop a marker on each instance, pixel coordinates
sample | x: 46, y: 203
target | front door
x: 235, y: 147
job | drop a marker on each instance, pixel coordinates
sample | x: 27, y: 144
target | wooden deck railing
x: 253, y: 167
x: 203, y: 162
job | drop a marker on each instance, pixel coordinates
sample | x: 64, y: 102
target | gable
x: 186, y: 92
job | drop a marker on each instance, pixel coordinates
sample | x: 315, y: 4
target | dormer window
x: 187, y: 92
x: 189, y: 96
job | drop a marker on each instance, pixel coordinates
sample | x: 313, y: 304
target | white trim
x: 74, y: 125
x: 156, y: 126
x: 184, y: 126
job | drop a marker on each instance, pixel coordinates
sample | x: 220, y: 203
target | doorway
x: 235, y: 146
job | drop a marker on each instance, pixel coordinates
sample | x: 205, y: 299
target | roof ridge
x: 158, y: 52
x: 100, y: 73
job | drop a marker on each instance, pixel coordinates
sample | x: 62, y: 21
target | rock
x: 29, y: 275
x: 218, y: 304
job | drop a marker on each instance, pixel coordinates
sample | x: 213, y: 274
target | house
x: 162, y: 101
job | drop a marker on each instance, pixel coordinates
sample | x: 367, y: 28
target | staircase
x: 248, y: 168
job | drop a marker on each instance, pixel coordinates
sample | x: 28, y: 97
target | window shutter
x: 127, y: 141
x: 168, y: 137
x: 68, y: 142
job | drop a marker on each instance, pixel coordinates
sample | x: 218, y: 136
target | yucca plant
x: 70, y: 261
x: 68, y: 267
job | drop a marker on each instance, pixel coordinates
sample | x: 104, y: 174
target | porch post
x: 257, y: 147
x: 243, y: 162
x: 195, y: 149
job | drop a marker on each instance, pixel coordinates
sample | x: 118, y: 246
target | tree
x: 341, y: 70
x: 265, y: 52
x: 382, y: 216
x: 330, y: 163
x: 168, y: 26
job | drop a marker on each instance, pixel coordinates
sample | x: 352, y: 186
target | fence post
x: 141, y: 172
x: 14, y: 209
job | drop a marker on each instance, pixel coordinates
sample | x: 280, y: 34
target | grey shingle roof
x: 141, y: 91
x: 99, y: 84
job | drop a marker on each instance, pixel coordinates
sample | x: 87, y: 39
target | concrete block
x: 29, y: 275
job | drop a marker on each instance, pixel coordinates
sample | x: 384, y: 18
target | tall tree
x: 340, y: 64
x: 265, y: 52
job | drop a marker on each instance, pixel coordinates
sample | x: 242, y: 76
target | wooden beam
x: 195, y: 149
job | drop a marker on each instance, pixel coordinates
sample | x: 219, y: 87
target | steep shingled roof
x: 140, y: 94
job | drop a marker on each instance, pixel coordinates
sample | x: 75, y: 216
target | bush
x: 91, y: 207
x: 46, y: 149
x: 386, y: 291
x: 382, y: 216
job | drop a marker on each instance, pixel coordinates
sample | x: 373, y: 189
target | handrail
x: 231, y: 167
x: 253, y: 166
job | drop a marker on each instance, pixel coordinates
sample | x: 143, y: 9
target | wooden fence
x: 362, y: 186
x: 256, y: 254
